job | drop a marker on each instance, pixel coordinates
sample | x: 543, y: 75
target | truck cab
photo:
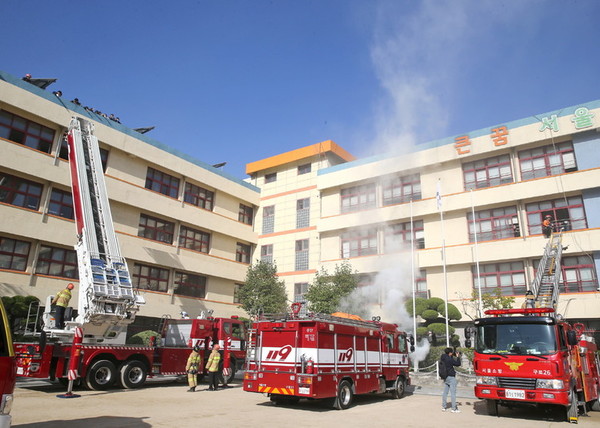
x: 8, y: 370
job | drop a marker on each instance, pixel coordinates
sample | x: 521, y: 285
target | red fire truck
x: 532, y: 356
x: 326, y: 357
x: 92, y: 346
x: 104, y: 365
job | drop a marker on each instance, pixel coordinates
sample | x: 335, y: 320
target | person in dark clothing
x: 450, y: 359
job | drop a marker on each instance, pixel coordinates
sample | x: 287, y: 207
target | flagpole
x: 439, y: 201
x: 412, y: 269
x: 480, y: 301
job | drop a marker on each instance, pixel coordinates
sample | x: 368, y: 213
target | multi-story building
x: 495, y: 187
x: 185, y: 228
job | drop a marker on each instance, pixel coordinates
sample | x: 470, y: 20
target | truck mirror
x: 412, y: 348
x: 572, y: 338
x: 468, y: 343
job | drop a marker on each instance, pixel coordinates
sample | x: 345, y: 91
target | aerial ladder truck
x: 532, y: 356
x: 92, y: 347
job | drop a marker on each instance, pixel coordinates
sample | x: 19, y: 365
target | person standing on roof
x: 212, y: 365
x: 191, y: 368
x: 61, y: 300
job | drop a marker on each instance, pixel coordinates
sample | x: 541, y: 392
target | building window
x: 20, y: 192
x: 236, y: 292
x: 13, y: 254
x: 301, y: 255
x: 358, y: 198
x: 300, y: 289
x: 26, y: 132
x: 398, y: 236
x: 493, y: 224
x: 567, y: 214
x: 56, y: 261
x: 242, y: 253
x: 359, y: 243
x: 397, y: 190
x: 150, y: 278
x: 302, y: 213
x: 245, y: 214
x: 156, y: 229
x: 509, y: 277
x: 579, y: 274
x: 199, y: 196
x: 187, y: 284
x: 61, y: 204
x: 547, y: 160
x: 304, y: 169
x: 162, y: 183
x: 193, y: 239
x: 266, y: 253
x: 421, y: 285
x: 270, y: 178
x: 64, y: 153
x: 487, y: 172
x: 268, y: 225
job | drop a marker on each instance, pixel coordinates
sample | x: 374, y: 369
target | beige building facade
x: 185, y: 228
x: 495, y: 187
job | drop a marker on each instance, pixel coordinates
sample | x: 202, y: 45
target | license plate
x: 303, y: 390
x: 20, y: 370
x: 515, y: 393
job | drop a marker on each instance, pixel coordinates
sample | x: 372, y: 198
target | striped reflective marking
x: 272, y: 390
x: 72, y: 375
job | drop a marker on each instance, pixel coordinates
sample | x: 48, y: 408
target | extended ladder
x: 545, y: 286
x: 107, y: 302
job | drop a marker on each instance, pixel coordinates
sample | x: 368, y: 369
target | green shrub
x: 142, y: 338
x: 434, y: 302
x: 420, y: 306
x: 452, y: 310
x: 439, y: 329
x: 430, y: 315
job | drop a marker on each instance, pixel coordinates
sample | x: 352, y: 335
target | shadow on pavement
x: 98, y: 422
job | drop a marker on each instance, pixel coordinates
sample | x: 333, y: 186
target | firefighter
x: 212, y: 366
x: 529, y: 302
x: 61, y: 300
x: 191, y: 368
x: 547, y: 226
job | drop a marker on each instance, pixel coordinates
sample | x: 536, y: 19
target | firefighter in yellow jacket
x: 191, y: 368
x: 61, y: 300
x: 212, y: 366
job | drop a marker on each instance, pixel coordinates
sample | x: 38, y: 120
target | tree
x: 17, y: 308
x: 263, y: 291
x: 327, y: 291
x: 490, y: 300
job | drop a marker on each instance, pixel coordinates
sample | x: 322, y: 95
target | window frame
x: 358, y: 198
x: 243, y: 252
x: 14, y: 259
x: 509, y: 229
x: 536, y: 211
x: 199, y: 242
x: 484, y: 167
x: 246, y: 214
x: 304, y: 168
x: 64, y: 208
x: 543, y: 155
x: 15, y: 191
x: 161, y: 182
x: 268, y: 220
x: 154, y: 274
x: 43, y: 145
x: 198, y: 196
x: 302, y: 213
x: 301, y: 255
x: 270, y: 178
x: 185, y: 285
x: 266, y: 253
x: 63, y: 258
x: 394, y: 189
x: 403, y: 230
x: 156, y: 231
x: 499, y: 272
x: 357, y: 237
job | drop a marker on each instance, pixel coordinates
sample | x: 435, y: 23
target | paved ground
x: 167, y: 404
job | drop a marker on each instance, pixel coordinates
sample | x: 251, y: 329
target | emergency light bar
x: 527, y: 311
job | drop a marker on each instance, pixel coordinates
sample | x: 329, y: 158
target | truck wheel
x: 572, y: 408
x: 344, y: 396
x: 133, y: 374
x: 399, y: 387
x: 492, y: 407
x: 101, y: 375
x: 595, y: 405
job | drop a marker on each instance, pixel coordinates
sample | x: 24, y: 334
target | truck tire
x: 492, y: 407
x: 133, y: 374
x: 101, y: 375
x: 595, y: 405
x: 344, y: 396
x: 399, y: 387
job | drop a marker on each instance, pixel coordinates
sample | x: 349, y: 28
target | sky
x: 237, y: 81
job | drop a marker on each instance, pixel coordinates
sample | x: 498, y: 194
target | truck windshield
x: 516, y: 339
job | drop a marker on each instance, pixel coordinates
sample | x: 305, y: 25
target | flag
x: 438, y: 195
